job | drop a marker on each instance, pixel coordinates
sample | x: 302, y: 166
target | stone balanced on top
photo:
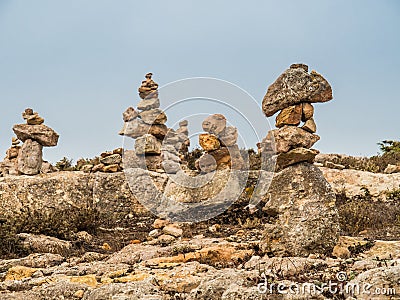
x: 154, y: 141
x: 219, y: 142
x: 28, y: 158
x: 292, y: 94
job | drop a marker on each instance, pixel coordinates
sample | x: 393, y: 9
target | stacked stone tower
x: 292, y: 94
x: 156, y: 146
x: 220, y: 146
x: 28, y: 160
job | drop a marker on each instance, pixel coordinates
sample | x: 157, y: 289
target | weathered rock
x: 289, y: 137
x: 69, y: 198
x: 153, y: 116
x: 293, y: 87
x: 15, y: 141
x: 137, y: 128
x: 170, y: 155
x: 47, y: 168
x: 13, y: 152
x: 381, y: 283
x: 111, y: 159
x: 345, y: 243
x: 154, y: 163
x: 147, y: 144
x: 37, y: 260
x: 166, y: 239
x: 111, y: 168
x: 19, y: 273
x: 307, y: 111
x: 129, y: 114
x: 134, y: 128
x: 237, y: 161
x: 383, y: 250
x: 289, y: 116
x: 390, y: 169
x: 9, y: 167
x: 222, y: 157
x: 229, y: 136
x: 306, y: 218
x: 27, y: 112
x: 44, y: 244
x: 214, y: 124
x: 332, y: 165
x: 149, y: 87
x: 97, y: 168
x: 171, y: 167
x: 295, y: 156
x: 147, y: 104
x: 44, y: 135
x: 206, y: 163
x: 30, y: 158
x: 354, y: 182
x: 160, y: 223
x: 173, y: 229
x: 183, y: 128
x: 34, y: 119
x: 310, y: 126
x: 209, y: 142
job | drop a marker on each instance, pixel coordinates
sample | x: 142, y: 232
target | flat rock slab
x: 293, y: 87
x: 41, y: 133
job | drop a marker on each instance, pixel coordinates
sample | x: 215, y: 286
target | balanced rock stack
x: 219, y: 142
x: 9, y: 166
x: 299, y: 198
x: 292, y: 94
x: 184, y: 132
x: 35, y: 136
x: 153, y: 137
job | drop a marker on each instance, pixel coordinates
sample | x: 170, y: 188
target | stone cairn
x: 27, y: 159
x: 305, y: 220
x: 157, y: 147
x: 292, y: 94
x: 219, y: 144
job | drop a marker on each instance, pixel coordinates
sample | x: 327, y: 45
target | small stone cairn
x: 220, y: 146
x: 28, y: 158
x: 157, y: 147
x: 292, y: 94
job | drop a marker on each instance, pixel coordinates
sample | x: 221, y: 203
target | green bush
x: 389, y: 146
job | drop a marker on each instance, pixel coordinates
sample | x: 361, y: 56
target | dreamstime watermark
x: 184, y: 197
x: 338, y: 287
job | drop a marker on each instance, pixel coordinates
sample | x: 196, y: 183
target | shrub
x: 65, y: 164
x: 389, y: 146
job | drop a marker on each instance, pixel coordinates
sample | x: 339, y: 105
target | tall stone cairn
x: 292, y: 94
x: 301, y: 201
x: 156, y: 146
x: 219, y: 144
x: 27, y: 159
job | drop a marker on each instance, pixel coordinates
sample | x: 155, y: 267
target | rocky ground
x: 97, y: 242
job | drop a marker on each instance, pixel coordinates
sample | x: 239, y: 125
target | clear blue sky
x: 79, y: 63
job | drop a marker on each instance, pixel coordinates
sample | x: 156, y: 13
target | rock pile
x: 10, y: 163
x: 27, y: 159
x: 164, y: 232
x: 292, y: 94
x: 299, y: 198
x: 156, y: 146
x: 108, y: 162
x: 219, y: 142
